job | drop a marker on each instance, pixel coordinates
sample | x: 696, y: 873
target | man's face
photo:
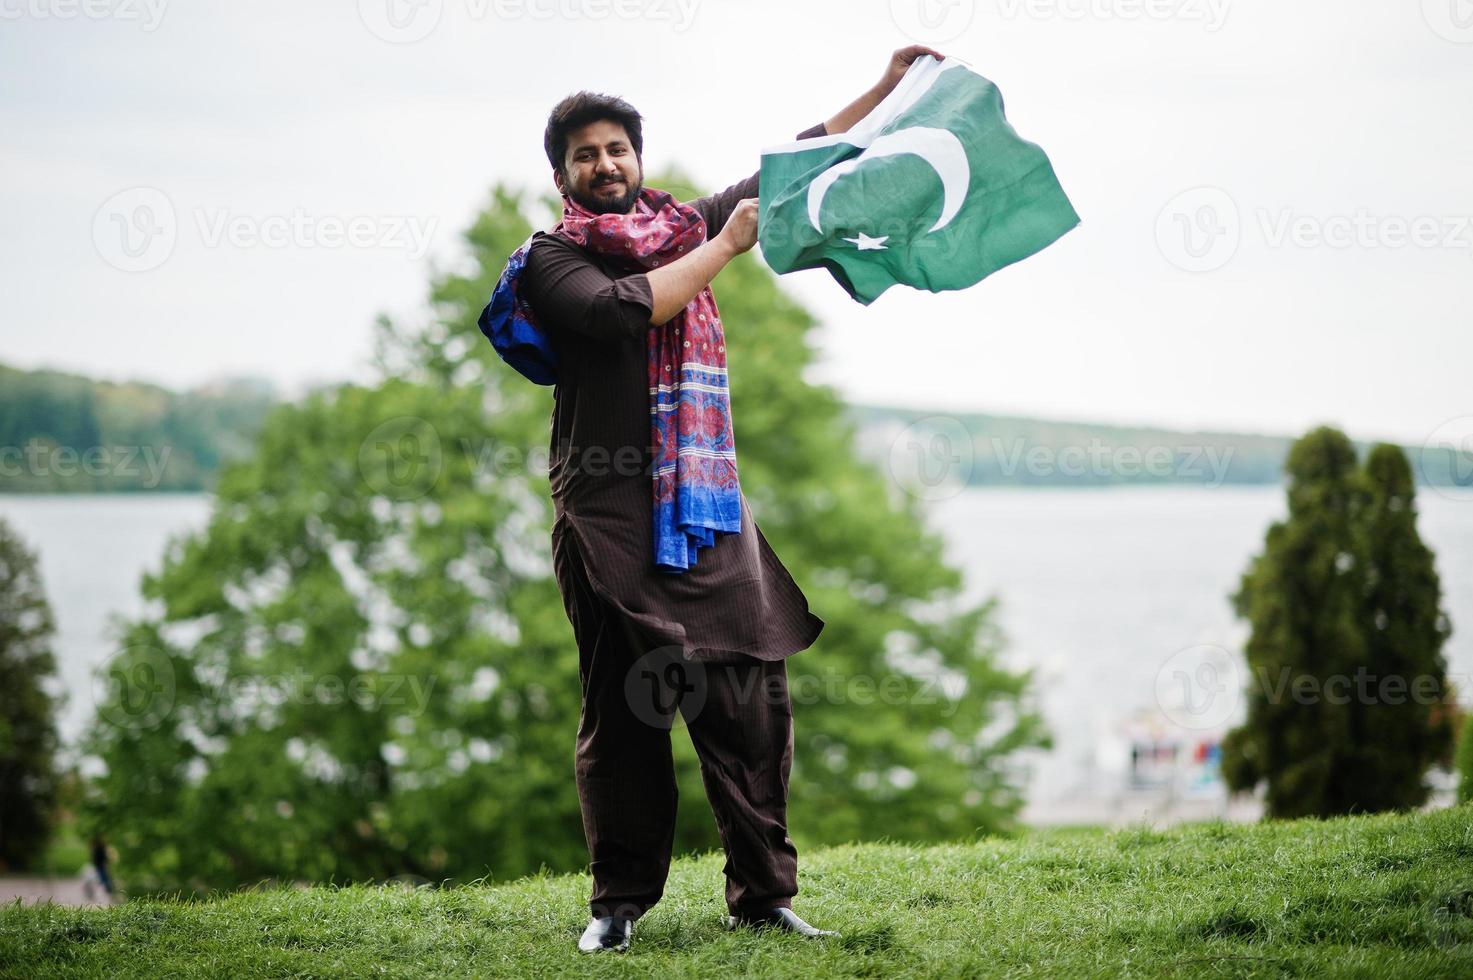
x: 600, y: 170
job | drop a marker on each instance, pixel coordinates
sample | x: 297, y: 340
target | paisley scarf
x: 695, y: 490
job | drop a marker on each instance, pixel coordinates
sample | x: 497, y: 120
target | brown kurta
x: 737, y: 600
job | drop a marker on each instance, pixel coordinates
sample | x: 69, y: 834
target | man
x: 719, y: 598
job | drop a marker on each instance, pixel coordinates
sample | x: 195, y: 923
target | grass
x: 1370, y: 896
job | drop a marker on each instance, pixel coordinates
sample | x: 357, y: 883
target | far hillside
x: 1010, y: 450
x: 63, y: 432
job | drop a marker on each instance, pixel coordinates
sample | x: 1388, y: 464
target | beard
x: 602, y: 203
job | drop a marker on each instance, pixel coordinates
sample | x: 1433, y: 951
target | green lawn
x: 1378, y: 896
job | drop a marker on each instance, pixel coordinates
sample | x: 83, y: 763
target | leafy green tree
x: 28, y: 777
x: 1343, y: 607
x: 399, y: 534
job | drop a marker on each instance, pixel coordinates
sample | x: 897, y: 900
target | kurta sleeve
x: 569, y: 292
x: 716, y: 208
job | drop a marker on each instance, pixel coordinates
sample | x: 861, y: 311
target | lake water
x: 1114, y: 595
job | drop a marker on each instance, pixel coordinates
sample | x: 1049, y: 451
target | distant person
x: 99, y: 865
x: 654, y: 547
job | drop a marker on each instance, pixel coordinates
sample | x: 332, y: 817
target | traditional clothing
x: 696, y: 493
x: 737, y: 600
x: 712, y: 640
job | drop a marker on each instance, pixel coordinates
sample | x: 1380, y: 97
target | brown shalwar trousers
x: 740, y: 721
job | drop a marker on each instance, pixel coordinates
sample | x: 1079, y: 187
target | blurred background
x: 276, y: 584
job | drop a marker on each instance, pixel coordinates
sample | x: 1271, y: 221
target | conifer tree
x: 1344, y: 655
x: 1395, y: 726
x: 1302, y: 596
x: 28, y: 779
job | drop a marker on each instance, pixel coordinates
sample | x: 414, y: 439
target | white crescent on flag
x: 938, y: 147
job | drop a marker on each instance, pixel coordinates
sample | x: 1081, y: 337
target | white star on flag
x: 868, y: 244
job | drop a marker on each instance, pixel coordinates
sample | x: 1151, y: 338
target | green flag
x: 933, y: 189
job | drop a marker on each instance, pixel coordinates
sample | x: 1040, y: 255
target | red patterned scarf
x: 696, y: 494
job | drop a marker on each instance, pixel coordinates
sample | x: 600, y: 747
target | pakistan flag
x: 933, y: 189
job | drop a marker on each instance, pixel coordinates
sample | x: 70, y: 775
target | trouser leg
x: 624, y: 768
x: 743, y: 734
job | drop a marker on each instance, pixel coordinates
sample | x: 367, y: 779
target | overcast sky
x: 1275, y: 197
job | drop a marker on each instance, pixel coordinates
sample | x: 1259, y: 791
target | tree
x: 1397, y: 729
x: 1343, y: 608
x: 1463, y: 763
x: 28, y: 742
x: 398, y: 533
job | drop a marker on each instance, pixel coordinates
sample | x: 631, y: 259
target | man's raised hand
x: 900, y: 63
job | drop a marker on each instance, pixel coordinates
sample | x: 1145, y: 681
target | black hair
x: 582, y: 108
